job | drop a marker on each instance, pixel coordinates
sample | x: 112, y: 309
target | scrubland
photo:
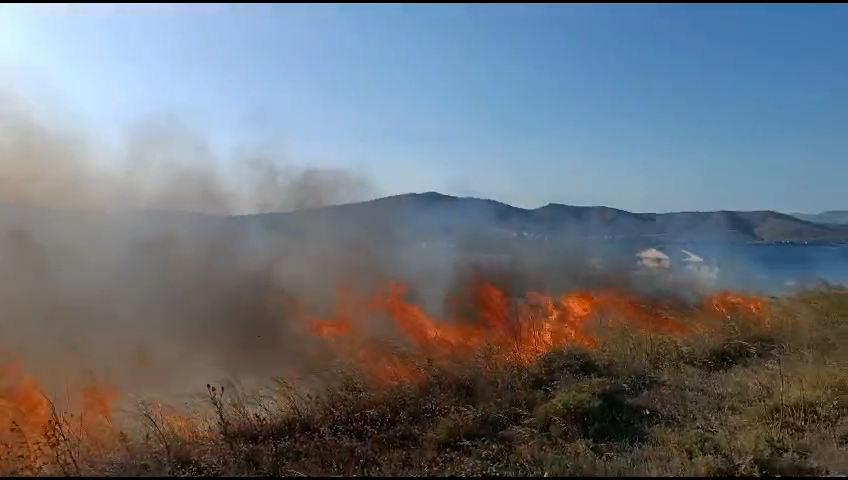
x: 583, y: 384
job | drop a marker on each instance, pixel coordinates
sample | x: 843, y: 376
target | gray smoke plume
x: 135, y: 262
x: 127, y: 263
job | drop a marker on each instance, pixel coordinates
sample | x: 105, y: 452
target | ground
x: 746, y: 399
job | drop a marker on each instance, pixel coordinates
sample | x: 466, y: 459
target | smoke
x: 128, y: 262
x: 135, y: 263
x: 163, y: 165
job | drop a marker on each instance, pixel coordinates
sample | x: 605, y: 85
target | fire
x: 35, y: 429
x: 517, y: 331
x: 38, y: 432
x: 726, y: 303
x: 23, y: 408
x: 32, y: 426
x: 332, y: 328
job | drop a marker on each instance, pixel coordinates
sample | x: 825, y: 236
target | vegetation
x: 746, y: 399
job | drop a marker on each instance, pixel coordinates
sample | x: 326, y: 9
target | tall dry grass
x: 742, y: 398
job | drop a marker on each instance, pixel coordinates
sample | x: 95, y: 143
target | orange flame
x: 508, y: 330
x: 32, y: 427
x: 518, y: 331
x: 37, y: 432
x: 727, y: 303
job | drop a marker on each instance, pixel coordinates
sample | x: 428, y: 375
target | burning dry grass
x: 589, y: 383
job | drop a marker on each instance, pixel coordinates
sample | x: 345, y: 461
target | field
x: 584, y: 384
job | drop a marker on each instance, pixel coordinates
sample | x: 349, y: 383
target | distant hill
x: 433, y: 216
x: 432, y: 213
x: 836, y: 217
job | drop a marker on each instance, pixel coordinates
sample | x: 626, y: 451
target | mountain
x: 431, y: 214
x: 836, y: 217
x: 423, y: 217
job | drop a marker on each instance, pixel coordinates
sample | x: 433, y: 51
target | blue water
x: 759, y: 268
x: 774, y: 267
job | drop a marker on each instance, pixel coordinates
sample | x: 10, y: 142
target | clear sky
x: 645, y: 108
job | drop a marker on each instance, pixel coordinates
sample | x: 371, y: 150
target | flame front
x: 33, y: 427
x: 509, y: 331
x: 727, y: 303
x: 513, y: 331
x: 38, y: 433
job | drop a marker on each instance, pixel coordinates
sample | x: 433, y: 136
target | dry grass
x: 749, y: 400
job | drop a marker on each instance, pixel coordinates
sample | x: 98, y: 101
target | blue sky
x: 646, y: 108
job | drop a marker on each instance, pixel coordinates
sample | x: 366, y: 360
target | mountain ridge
x: 836, y: 217
x: 434, y: 210
x: 432, y: 215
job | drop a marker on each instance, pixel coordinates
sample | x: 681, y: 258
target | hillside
x: 435, y: 214
x: 398, y: 222
x: 419, y: 217
x: 836, y: 217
